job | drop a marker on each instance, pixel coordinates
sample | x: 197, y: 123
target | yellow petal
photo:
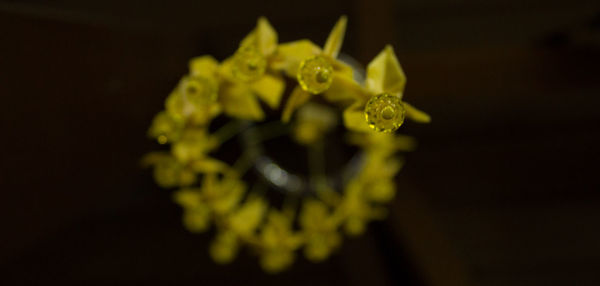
x: 344, y: 88
x: 208, y: 165
x: 245, y: 220
x: 313, y: 214
x: 297, y: 99
x: 154, y: 158
x: 224, y: 247
x: 381, y: 191
x: 355, y: 226
x: 384, y: 73
x: 320, y: 245
x: 342, y: 69
x: 415, y: 114
x: 205, y: 66
x: 289, y: 55
x: 197, y: 219
x: 354, y: 118
x: 188, y: 198
x: 276, y: 260
x: 266, y: 37
x: 269, y: 88
x: 239, y: 101
x: 336, y: 37
x: 231, y: 192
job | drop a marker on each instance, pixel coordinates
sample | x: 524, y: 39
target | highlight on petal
x: 336, y: 38
x: 239, y: 101
x: 266, y: 37
x: 416, y: 114
x: 289, y: 55
x: 205, y: 66
x: 384, y: 73
x: 270, y: 89
x: 297, y: 98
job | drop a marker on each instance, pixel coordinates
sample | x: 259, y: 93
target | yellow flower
x: 320, y: 229
x: 194, y: 145
x: 197, y: 219
x: 218, y: 196
x: 313, y: 121
x: 195, y: 97
x: 224, y: 247
x: 381, y: 107
x: 223, y: 194
x: 384, y: 144
x: 321, y: 72
x: 246, y: 219
x: 248, y: 76
x: 357, y: 210
x: 168, y: 172
x: 278, y: 242
x: 166, y: 128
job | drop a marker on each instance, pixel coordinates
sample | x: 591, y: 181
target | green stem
x: 228, y: 131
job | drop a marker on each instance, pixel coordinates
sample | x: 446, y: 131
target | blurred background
x: 502, y: 190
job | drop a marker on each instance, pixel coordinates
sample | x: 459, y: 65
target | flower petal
x: 239, y: 101
x: 266, y: 37
x: 336, y: 38
x: 205, y: 66
x: 247, y: 218
x: 344, y: 88
x: 224, y: 247
x: 208, y: 165
x: 384, y: 73
x: 416, y: 114
x: 297, y: 98
x: 289, y: 55
x: 269, y: 88
x: 354, y: 118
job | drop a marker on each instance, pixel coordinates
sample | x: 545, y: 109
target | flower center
x: 315, y: 74
x: 248, y: 64
x: 323, y: 76
x: 384, y: 112
x: 388, y: 113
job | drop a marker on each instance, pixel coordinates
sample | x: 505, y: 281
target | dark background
x: 502, y: 190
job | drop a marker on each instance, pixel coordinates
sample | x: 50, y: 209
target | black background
x: 502, y: 190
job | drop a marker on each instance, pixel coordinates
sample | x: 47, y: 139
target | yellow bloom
x: 195, y: 97
x: 224, y: 247
x: 381, y: 107
x: 222, y: 194
x: 168, y: 172
x: 313, y: 121
x: 383, y: 144
x: 191, y: 150
x: 246, y: 219
x: 194, y: 144
x: 197, y: 219
x: 320, y: 73
x: 320, y: 229
x: 166, y: 128
x: 357, y: 210
x: 278, y: 242
x: 248, y: 76
x: 216, y: 196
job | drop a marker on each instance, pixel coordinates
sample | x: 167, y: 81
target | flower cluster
x: 212, y: 192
